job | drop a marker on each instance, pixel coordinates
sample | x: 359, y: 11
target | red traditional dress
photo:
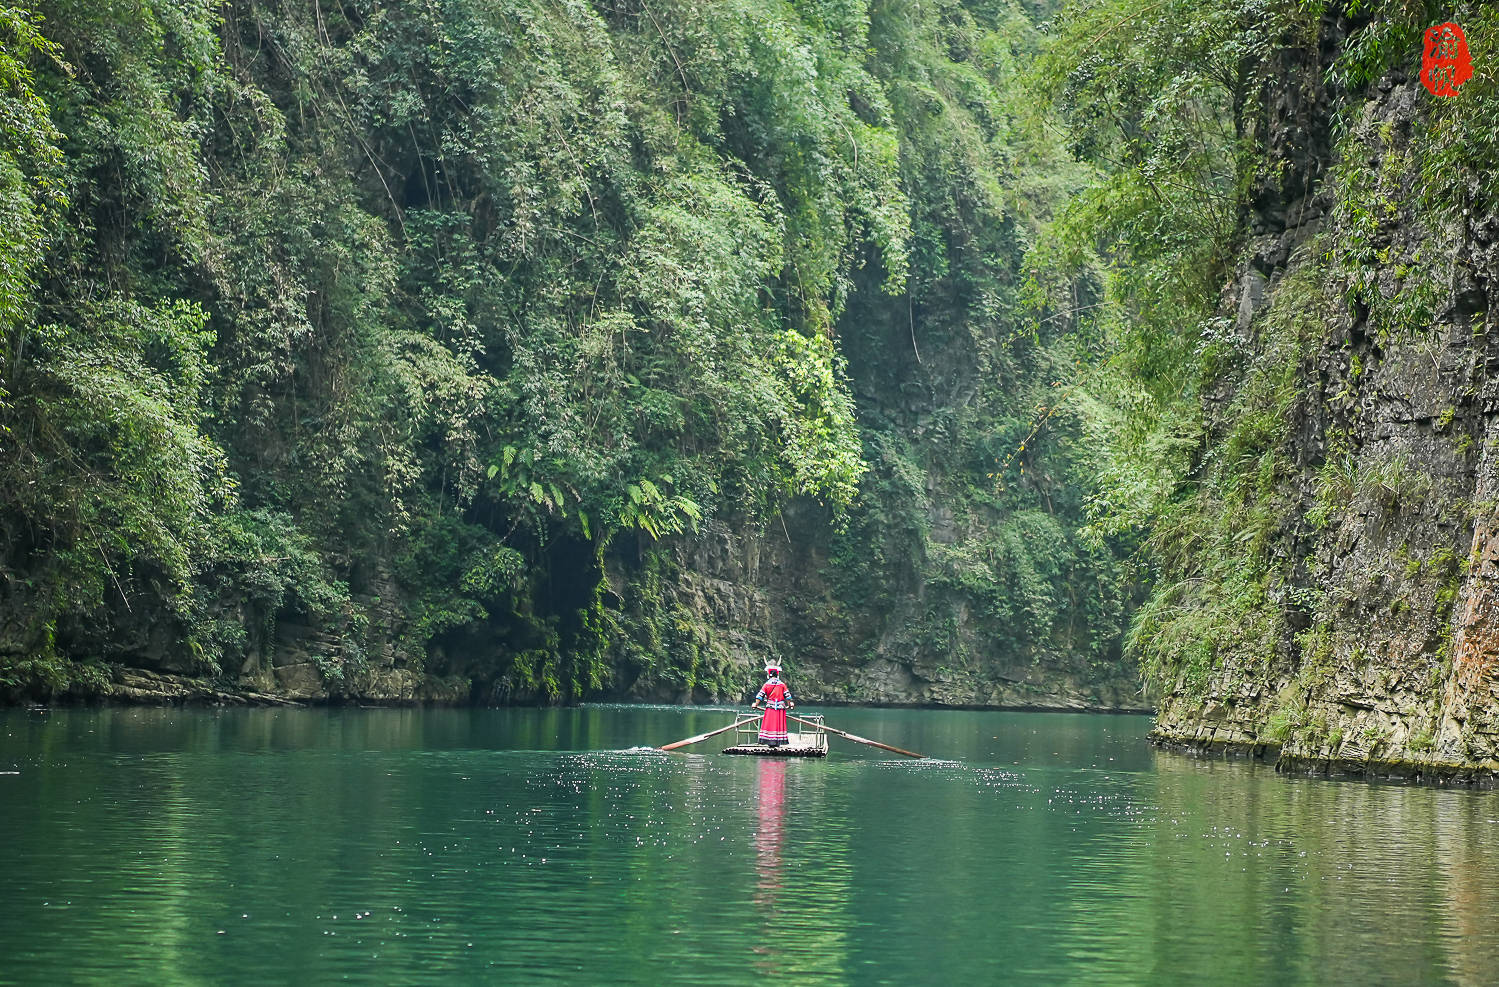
x: 775, y: 695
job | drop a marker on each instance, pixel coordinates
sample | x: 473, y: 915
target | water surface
x: 517, y: 845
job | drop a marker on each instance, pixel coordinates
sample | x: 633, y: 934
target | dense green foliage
x: 452, y: 332
x: 434, y: 328
x: 963, y: 548
x: 1166, y: 99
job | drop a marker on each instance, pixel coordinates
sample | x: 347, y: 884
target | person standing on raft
x: 777, y: 699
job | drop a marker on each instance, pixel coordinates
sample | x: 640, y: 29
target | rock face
x: 774, y: 596
x: 1384, y: 566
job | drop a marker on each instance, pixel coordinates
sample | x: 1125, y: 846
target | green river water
x: 531, y: 846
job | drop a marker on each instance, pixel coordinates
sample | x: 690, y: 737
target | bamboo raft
x: 808, y: 743
x: 805, y: 743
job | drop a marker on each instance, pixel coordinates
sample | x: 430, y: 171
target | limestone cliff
x: 1374, y: 646
x: 777, y: 595
x: 952, y: 582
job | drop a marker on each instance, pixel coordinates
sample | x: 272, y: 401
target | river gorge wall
x: 925, y: 594
x: 1368, y: 285
x: 508, y: 352
x: 917, y: 598
x: 735, y: 600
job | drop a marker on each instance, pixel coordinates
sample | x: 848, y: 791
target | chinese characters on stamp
x: 1445, y: 63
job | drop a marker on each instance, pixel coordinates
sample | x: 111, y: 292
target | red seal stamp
x: 1445, y: 64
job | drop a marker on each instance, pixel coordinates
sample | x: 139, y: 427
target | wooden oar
x: 857, y: 740
x: 705, y: 736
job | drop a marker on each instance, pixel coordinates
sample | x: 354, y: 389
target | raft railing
x: 749, y: 733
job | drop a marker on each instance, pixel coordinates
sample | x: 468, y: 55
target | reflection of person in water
x: 768, y: 836
x: 777, y: 699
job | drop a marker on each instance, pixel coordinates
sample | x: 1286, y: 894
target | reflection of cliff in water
x: 1342, y: 869
x: 1465, y: 837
